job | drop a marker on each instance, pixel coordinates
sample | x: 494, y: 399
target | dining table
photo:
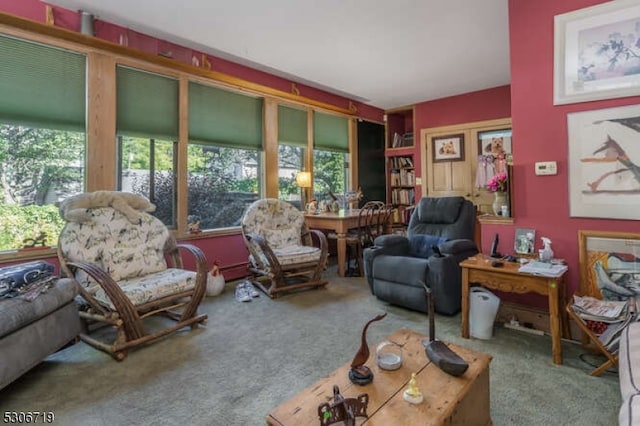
x: 340, y: 223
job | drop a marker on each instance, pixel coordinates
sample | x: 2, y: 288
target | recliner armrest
x: 395, y: 245
x: 458, y: 246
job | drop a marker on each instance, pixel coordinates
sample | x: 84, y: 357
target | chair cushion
x: 271, y: 213
x: 439, y: 210
x: 282, y: 238
x: 298, y: 254
x: 111, y: 241
x: 153, y: 286
x: 420, y: 245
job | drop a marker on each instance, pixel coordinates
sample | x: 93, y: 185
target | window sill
x: 11, y: 256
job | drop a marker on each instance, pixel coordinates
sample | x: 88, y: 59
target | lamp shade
x: 303, y: 179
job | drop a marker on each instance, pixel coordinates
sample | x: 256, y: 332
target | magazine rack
x: 593, y: 342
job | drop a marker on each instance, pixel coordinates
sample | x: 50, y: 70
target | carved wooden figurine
x: 360, y: 374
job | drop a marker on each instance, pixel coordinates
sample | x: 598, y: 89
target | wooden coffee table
x: 447, y: 399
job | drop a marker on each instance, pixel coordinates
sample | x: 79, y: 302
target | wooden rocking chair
x: 124, y: 278
x: 282, y: 253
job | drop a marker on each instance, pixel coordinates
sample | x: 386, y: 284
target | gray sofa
x: 32, y: 330
x: 629, y: 372
x: 396, y: 266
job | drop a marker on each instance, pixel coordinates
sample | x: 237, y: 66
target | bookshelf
x: 399, y: 125
x: 401, y: 179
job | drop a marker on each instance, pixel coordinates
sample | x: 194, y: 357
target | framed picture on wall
x: 609, y: 264
x: 604, y: 154
x: 448, y: 148
x: 597, y: 53
x: 495, y: 142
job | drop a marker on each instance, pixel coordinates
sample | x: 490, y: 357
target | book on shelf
x: 407, y: 139
x: 397, y: 140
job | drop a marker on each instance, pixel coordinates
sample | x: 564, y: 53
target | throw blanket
x: 27, y: 280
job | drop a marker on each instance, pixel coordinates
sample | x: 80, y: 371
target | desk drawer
x: 510, y: 282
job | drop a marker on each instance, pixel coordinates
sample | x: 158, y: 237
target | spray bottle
x: 546, y: 254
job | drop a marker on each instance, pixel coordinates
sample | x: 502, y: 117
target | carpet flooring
x: 252, y: 356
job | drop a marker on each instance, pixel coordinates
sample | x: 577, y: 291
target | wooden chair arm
x: 121, y: 303
x: 201, y: 274
x: 265, y: 247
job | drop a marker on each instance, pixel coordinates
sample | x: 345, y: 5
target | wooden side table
x: 478, y: 270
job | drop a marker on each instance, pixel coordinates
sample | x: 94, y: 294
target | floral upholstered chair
x: 283, y: 253
x: 124, y: 277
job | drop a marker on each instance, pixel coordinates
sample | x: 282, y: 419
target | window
x: 290, y: 162
x: 330, y: 173
x: 148, y: 167
x: 222, y: 183
x: 292, y: 144
x: 42, y: 138
x: 225, y: 155
x: 330, y: 154
x: 147, y: 133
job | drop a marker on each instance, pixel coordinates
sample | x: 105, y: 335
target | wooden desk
x: 478, y: 270
x: 340, y: 224
x: 448, y: 400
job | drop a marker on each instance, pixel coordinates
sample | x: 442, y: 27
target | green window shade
x: 224, y: 118
x: 292, y: 126
x: 147, y: 104
x: 42, y: 86
x: 330, y: 132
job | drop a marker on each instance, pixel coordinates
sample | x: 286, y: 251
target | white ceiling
x: 386, y: 53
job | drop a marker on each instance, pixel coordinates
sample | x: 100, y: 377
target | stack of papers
x: 614, y: 315
x: 590, y: 308
x: 544, y: 269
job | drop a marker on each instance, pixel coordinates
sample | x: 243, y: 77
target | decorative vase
x: 500, y: 199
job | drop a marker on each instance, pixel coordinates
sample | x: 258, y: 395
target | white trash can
x: 483, y: 308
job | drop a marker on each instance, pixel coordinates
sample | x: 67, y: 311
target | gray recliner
x: 396, y: 266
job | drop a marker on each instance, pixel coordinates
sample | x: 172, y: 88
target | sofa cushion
x: 16, y: 313
x: 629, y: 372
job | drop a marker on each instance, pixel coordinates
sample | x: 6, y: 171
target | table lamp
x: 303, y: 180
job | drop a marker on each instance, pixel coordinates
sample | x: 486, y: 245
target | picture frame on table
x: 604, y: 179
x: 609, y: 264
x: 524, y: 241
x: 596, y: 53
x: 448, y: 148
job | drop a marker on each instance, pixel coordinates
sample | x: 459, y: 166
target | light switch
x: 418, y: 181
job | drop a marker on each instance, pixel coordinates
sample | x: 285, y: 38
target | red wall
x: 482, y: 105
x: 540, y: 134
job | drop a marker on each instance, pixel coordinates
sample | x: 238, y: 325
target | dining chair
x: 372, y: 222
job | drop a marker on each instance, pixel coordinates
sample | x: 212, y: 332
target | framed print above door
x: 448, y: 148
x: 604, y: 163
x: 597, y: 53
